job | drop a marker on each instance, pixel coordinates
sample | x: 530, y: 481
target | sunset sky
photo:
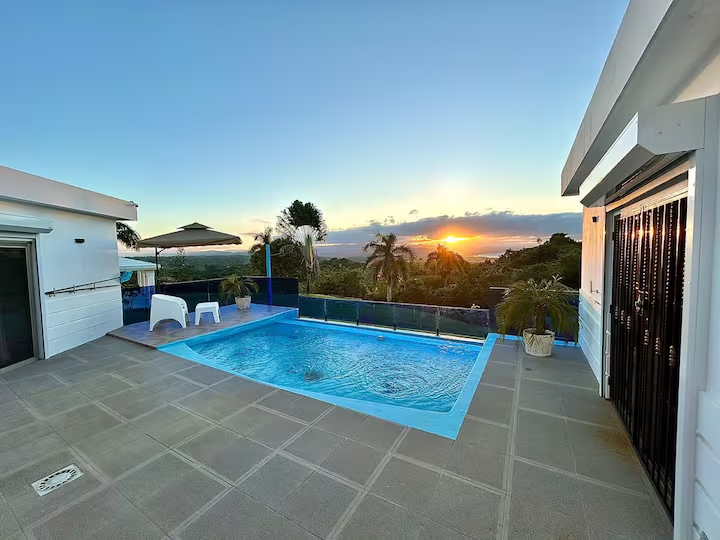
x: 427, y: 118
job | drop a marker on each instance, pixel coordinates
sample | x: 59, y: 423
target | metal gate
x: 647, y: 297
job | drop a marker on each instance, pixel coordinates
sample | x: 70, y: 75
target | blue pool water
x: 425, y: 374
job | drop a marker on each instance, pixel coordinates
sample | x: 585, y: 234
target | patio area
x: 172, y: 448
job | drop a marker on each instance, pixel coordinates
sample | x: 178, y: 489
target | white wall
x: 591, y: 288
x: 71, y: 319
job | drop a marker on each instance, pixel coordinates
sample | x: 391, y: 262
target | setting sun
x: 452, y: 239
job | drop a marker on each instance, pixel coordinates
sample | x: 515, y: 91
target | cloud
x: 413, y: 212
x: 488, y: 232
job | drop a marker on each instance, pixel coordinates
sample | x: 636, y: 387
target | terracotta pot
x: 538, y: 344
x: 242, y: 303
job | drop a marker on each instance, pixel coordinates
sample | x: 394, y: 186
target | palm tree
x: 446, y: 262
x: 126, y: 235
x: 389, y: 260
x: 261, y: 240
x: 304, y: 225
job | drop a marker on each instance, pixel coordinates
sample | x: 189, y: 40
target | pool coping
x: 445, y: 424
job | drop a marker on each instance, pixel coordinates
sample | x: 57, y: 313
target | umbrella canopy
x: 191, y: 235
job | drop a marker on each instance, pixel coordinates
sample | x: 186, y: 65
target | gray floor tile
x: 205, y: 374
x: 307, y: 409
x: 179, y: 391
x: 434, y: 531
x: 102, y: 386
x: 616, y: 469
x: 377, y: 433
x: 105, y: 514
x: 585, y: 437
x: 426, y: 447
x: 272, y: 483
x: 236, y: 515
x: 176, y: 503
x: 114, y: 363
x: 353, y: 460
x: 406, y: 484
x: 23, y: 453
x: 141, y: 373
x: 56, y: 401
x: 9, y: 526
x: 342, y: 421
x: 15, y: 415
x: 508, y: 352
x: 547, y: 369
x: 379, y: 519
x: 492, y: 403
x: 171, y: 364
x: 477, y: 463
x: 541, y: 396
x: 212, y: 404
x: 74, y: 416
x: 164, y: 383
x: 318, y: 504
x: 78, y: 374
x: 153, y: 477
x: 586, y: 405
x: 543, y: 439
x: 547, y: 489
x: 248, y: 420
x: 110, y: 440
x: 245, y: 389
x: 180, y: 430
x: 483, y: 434
x: 225, y: 452
x: 25, y: 434
x: 465, y: 508
x: 132, y: 403
x: 621, y: 513
x: 35, y: 385
x: 314, y: 445
x: 500, y: 375
x: 6, y: 395
x: 27, y: 506
x: 277, y: 432
x: 63, y: 361
x: 532, y: 522
x: 280, y: 400
x: 29, y: 370
x: 82, y: 430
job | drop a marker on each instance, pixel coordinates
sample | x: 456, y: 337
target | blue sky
x: 224, y: 112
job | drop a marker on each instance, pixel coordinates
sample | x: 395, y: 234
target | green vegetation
x: 238, y: 287
x: 126, y: 235
x: 528, y: 304
x: 389, y: 261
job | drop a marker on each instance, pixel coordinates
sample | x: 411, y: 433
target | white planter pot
x: 242, y: 303
x: 538, y: 344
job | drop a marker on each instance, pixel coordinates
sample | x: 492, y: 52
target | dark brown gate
x: 647, y: 297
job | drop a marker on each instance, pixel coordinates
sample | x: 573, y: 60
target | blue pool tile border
x: 445, y: 424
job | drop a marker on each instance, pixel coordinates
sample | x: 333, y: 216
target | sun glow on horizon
x: 452, y: 239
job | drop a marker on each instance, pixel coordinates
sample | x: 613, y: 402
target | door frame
x: 28, y: 243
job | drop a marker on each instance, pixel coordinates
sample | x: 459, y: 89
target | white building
x: 59, y: 274
x: 645, y: 164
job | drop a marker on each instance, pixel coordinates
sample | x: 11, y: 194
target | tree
x: 446, y: 262
x: 303, y: 224
x: 389, y: 260
x: 179, y: 270
x: 285, y: 260
x: 126, y: 235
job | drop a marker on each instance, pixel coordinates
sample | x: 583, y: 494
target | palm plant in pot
x: 241, y: 288
x: 533, y: 302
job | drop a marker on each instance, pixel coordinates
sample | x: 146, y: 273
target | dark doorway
x: 647, y: 301
x: 16, y: 331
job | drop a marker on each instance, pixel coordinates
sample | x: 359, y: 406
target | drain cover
x: 57, y: 479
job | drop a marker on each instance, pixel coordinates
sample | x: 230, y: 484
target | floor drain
x: 57, y: 479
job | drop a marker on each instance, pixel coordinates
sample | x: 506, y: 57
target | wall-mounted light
x: 595, y: 219
x: 79, y: 240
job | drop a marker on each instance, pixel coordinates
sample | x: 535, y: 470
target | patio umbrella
x: 192, y: 235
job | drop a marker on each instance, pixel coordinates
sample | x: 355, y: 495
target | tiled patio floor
x: 170, y: 331
x: 171, y: 448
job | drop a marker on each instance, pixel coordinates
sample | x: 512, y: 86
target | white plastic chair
x: 164, y: 306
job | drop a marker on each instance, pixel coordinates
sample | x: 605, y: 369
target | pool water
x: 418, y: 373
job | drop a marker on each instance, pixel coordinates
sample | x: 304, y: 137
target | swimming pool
x: 424, y: 382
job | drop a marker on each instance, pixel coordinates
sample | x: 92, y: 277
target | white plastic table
x: 207, y: 307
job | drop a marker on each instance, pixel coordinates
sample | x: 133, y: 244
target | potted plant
x: 532, y: 302
x: 241, y: 288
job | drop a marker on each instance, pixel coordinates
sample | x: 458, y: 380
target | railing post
x: 357, y: 313
x: 325, y: 308
x: 437, y: 321
x: 208, y: 290
x: 394, y: 317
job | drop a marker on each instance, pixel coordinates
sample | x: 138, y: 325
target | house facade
x: 58, y: 266
x: 645, y: 165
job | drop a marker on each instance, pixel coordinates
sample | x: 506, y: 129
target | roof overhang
x: 652, y: 138
x: 25, y: 188
x: 127, y: 264
x: 661, y: 46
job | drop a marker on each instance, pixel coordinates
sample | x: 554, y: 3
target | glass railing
x: 418, y: 317
x: 136, y: 300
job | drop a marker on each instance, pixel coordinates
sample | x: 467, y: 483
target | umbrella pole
x: 268, y: 272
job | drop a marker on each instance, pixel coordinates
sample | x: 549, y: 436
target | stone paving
x: 174, y: 449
